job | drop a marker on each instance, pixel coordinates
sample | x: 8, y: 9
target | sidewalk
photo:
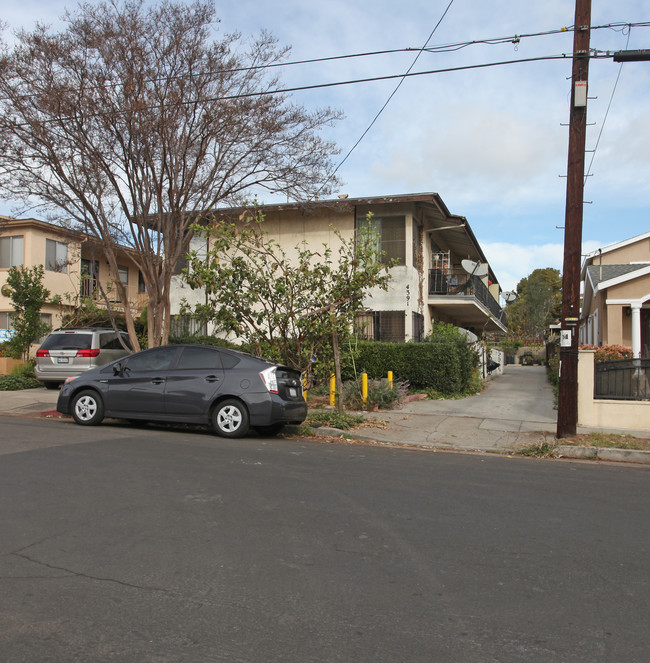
x: 515, y: 410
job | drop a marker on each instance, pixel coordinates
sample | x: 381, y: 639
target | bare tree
x: 133, y: 121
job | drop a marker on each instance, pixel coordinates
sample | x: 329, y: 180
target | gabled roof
x: 600, y: 275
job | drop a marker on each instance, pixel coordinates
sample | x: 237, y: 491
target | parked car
x: 194, y: 384
x: 527, y: 359
x: 68, y: 352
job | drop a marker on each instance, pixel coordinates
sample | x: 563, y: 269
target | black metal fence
x: 622, y: 379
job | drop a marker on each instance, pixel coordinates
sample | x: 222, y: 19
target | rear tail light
x: 88, y: 353
x: 42, y: 353
x: 270, y: 379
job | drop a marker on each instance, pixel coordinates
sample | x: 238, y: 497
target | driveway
x: 513, y: 410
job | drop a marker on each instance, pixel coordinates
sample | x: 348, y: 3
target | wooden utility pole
x: 567, y: 416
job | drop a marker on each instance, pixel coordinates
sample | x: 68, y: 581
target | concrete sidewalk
x: 513, y: 411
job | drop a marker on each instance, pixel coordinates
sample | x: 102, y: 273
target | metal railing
x: 90, y: 288
x: 458, y: 282
x: 622, y: 379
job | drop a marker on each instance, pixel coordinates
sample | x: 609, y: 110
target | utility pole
x: 567, y: 415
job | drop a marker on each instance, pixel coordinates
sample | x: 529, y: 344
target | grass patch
x: 542, y: 449
x: 609, y: 441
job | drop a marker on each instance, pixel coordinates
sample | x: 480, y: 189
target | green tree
x: 538, y: 303
x: 27, y: 298
x: 133, y: 119
x: 293, y: 310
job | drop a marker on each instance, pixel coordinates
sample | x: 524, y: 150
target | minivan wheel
x: 87, y: 408
x: 230, y: 418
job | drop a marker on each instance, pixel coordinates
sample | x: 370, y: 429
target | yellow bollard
x: 332, y: 390
x: 390, y: 379
x: 364, y: 388
x: 304, y: 388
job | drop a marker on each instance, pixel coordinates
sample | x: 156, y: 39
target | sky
x: 491, y: 141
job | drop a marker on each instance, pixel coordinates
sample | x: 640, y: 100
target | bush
x: 17, y: 382
x: 335, y: 419
x: 380, y: 394
x: 444, y: 365
x: 206, y: 340
x: 609, y: 352
x: 25, y: 370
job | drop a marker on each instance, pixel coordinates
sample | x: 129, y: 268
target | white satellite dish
x: 474, y: 268
x: 510, y: 296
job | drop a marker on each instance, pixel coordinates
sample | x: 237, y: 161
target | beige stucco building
x: 74, y: 267
x: 432, y: 250
x: 616, y: 302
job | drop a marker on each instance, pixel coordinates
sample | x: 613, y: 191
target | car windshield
x: 67, y: 342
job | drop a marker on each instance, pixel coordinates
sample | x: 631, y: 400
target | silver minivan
x: 68, y: 352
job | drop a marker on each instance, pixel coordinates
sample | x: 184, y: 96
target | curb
x: 598, y: 453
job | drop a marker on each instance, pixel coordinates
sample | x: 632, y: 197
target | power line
x: 392, y: 94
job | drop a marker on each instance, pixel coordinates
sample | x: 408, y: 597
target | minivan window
x: 74, y: 341
x: 111, y: 341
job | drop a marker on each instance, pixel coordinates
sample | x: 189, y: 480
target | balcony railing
x: 622, y: 379
x: 457, y: 282
x: 90, y: 288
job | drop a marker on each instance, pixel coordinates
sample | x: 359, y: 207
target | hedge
x: 442, y: 365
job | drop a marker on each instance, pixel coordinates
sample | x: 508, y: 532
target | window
x: 194, y: 359
x: 111, y: 341
x: 56, y: 256
x: 5, y: 320
x: 142, y: 288
x: 386, y: 326
x: 392, y: 237
x: 123, y: 274
x: 11, y: 251
x: 158, y: 359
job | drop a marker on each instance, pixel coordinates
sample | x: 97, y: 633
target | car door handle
x: 158, y: 381
x: 212, y: 378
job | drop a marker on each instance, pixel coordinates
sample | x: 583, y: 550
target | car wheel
x: 230, y: 418
x: 269, y: 431
x: 87, y: 408
x: 51, y: 385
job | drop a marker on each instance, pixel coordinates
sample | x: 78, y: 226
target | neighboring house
x: 74, y: 267
x: 427, y: 244
x: 616, y: 302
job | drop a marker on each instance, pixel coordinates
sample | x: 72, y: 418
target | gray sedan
x: 194, y: 384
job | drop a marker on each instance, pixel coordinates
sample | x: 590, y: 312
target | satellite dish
x: 474, y: 268
x: 510, y: 296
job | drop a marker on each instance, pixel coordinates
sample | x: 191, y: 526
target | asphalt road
x: 155, y: 545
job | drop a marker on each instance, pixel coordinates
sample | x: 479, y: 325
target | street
x: 167, y: 545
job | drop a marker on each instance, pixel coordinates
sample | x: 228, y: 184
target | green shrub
x: 25, y: 370
x: 444, y: 365
x: 380, y: 395
x: 206, y: 340
x: 17, y: 382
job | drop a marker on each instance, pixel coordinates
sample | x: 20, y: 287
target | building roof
x: 458, y: 234
x: 599, y: 274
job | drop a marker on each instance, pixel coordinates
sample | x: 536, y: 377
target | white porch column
x: 636, y: 330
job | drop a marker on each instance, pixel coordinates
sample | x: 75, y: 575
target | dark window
x: 72, y: 341
x: 111, y: 341
x: 229, y: 361
x: 386, y: 326
x: 418, y: 327
x: 199, y: 358
x: 391, y: 231
x: 158, y: 359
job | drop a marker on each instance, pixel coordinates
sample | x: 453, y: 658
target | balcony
x: 90, y: 288
x: 465, y: 300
